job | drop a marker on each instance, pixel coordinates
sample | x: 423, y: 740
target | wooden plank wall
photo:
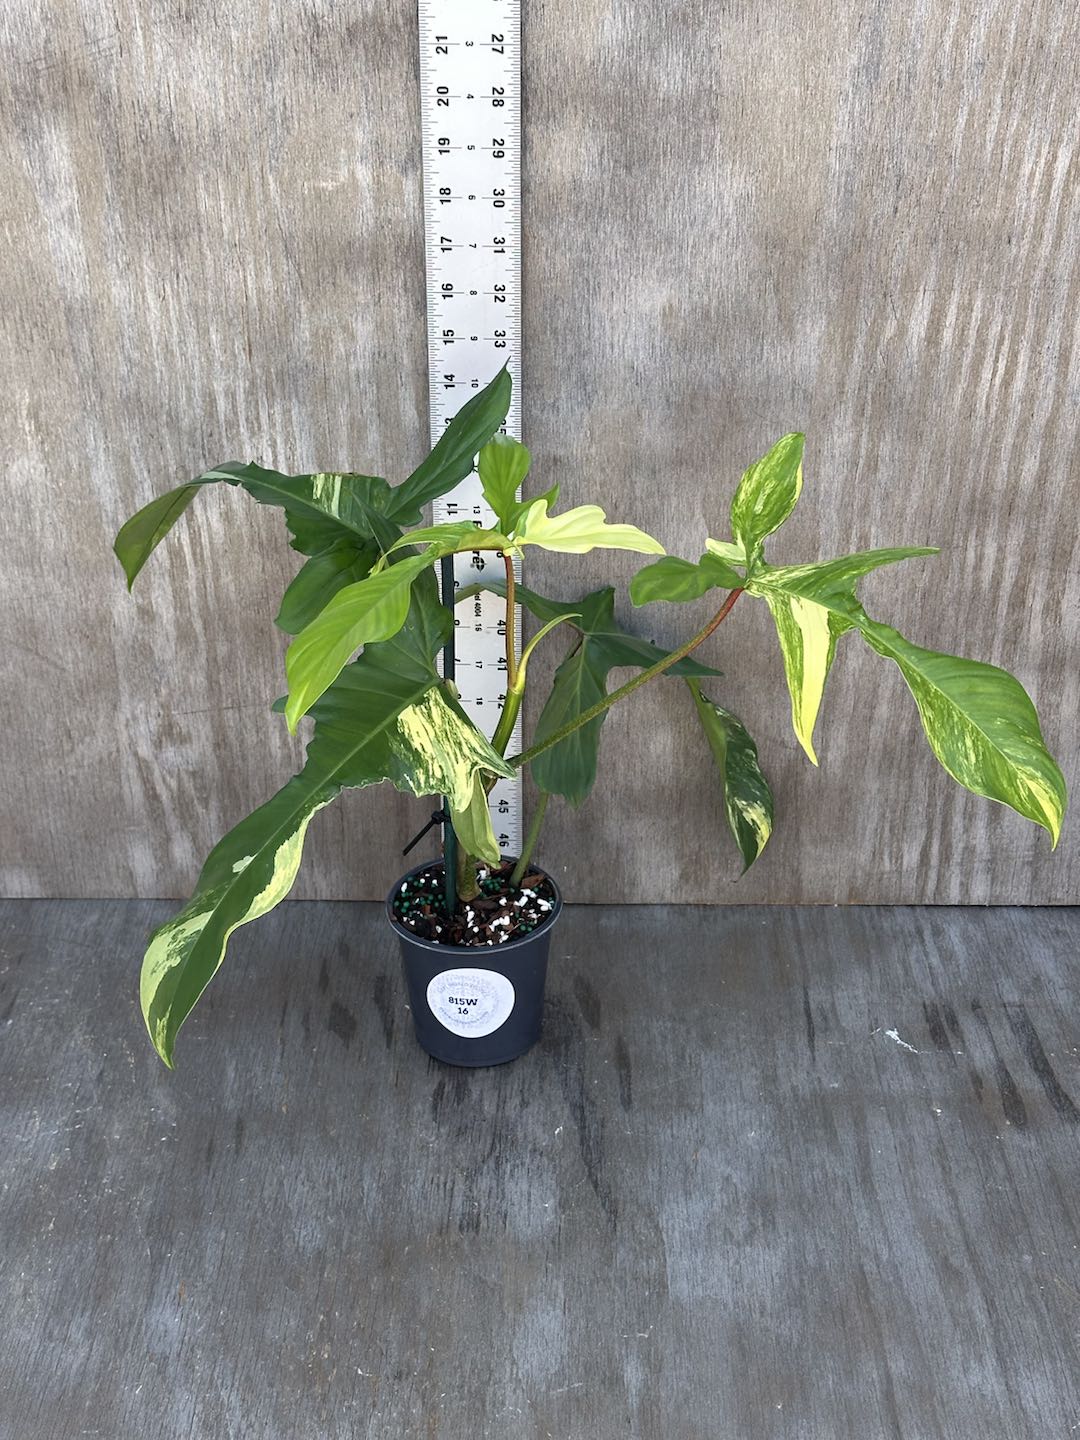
x: 741, y: 219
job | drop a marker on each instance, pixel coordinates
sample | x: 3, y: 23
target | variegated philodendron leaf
x: 342, y: 521
x: 811, y: 608
x: 978, y: 719
x: 981, y: 725
x: 322, y: 511
x: 386, y: 717
x: 767, y: 494
x: 451, y: 538
x: 747, y: 797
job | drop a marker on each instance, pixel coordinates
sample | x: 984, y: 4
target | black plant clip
x: 438, y: 817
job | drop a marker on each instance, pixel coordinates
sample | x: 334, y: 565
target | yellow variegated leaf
x: 577, y: 531
x: 386, y: 717
x: 811, y: 606
x: 747, y: 797
x: 767, y: 494
x: 472, y: 824
x: 981, y: 725
x: 807, y: 633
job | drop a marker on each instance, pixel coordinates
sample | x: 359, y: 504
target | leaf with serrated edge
x: 747, y: 797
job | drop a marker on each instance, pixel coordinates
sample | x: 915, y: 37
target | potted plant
x: 368, y: 624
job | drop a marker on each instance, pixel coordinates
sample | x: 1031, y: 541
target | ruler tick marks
x: 470, y: 118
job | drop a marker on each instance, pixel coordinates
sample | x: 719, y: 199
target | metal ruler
x: 470, y: 109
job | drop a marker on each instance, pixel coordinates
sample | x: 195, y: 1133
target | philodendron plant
x: 367, y: 624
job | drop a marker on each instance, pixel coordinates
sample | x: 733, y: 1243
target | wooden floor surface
x: 804, y: 1174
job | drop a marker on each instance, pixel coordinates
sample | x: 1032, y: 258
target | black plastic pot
x: 476, y: 1004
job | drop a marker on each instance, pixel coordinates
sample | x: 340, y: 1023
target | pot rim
x: 437, y: 948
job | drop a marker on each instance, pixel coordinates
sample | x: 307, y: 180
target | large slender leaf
x: 456, y: 450
x: 321, y: 510
x: 767, y: 494
x: 675, y: 579
x: 811, y: 606
x: 747, y: 797
x: 319, y: 580
x: 978, y: 719
x: 981, y: 725
x: 387, y: 716
x: 370, y: 611
x: 807, y: 633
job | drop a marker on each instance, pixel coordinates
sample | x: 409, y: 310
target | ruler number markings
x: 471, y: 138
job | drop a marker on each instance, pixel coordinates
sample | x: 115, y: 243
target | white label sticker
x: 470, y: 1002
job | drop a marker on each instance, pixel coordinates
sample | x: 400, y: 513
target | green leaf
x: 569, y: 768
x: 453, y: 456
x: 140, y: 536
x: 319, y: 580
x: 981, y: 725
x: 577, y: 531
x: 767, y: 494
x: 503, y: 465
x: 812, y: 607
x: 675, y: 579
x: 372, y: 610
x: 321, y: 510
x: 747, y: 796
x: 386, y: 717
x: 452, y: 537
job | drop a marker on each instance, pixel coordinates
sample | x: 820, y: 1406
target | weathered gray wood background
x: 741, y: 219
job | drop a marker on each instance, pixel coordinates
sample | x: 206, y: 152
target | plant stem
x: 450, y: 841
x: 530, y: 841
x: 468, y: 887
x: 638, y: 680
x: 505, y: 728
x: 511, y: 622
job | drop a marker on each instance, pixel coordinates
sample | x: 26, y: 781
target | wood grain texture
x: 806, y: 1174
x: 859, y: 221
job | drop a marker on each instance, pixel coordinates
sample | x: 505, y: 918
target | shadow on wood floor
x: 804, y: 1174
